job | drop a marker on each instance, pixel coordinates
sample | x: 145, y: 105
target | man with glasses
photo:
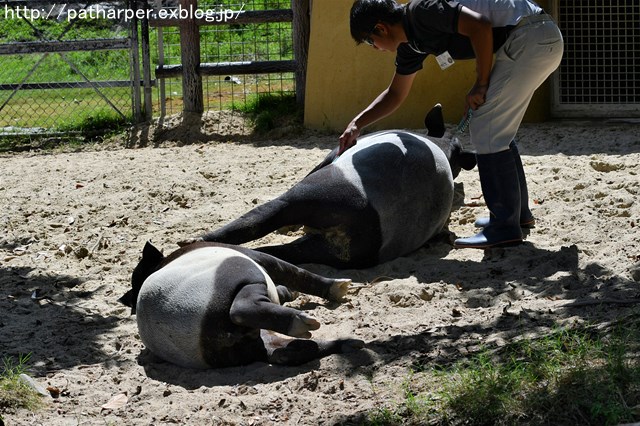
x: 528, y: 47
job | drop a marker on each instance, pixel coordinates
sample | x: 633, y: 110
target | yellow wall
x: 343, y: 78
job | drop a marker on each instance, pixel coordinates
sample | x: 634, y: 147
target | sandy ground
x: 74, y: 223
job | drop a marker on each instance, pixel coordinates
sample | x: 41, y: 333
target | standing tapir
x: 381, y: 199
x: 211, y: 305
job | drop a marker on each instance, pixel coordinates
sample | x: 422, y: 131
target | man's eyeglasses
x: 367, y: 39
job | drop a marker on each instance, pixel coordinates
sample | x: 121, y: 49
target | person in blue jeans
x: 528, y: 47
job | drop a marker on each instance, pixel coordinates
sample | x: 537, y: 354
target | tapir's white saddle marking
x: 173, y: 300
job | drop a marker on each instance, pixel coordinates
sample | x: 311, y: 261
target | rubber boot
x: 526, y: 217
x: 501, y: 191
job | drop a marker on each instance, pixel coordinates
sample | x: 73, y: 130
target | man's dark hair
x: 365, y: 14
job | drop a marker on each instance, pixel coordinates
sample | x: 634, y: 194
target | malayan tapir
x: 383, y: 198
x: 210, y: 305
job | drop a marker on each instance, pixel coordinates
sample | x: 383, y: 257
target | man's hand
x: 348, y: 138
x: 476, y: 96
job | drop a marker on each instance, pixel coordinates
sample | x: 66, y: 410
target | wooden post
x: 190, y: 53
x: 146, y: 65
x: 301, y: 29
x: 135, y: 64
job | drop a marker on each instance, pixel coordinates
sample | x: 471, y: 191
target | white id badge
x: 444, y: 60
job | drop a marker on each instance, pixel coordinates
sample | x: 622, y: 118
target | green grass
x: 96, y: 123
x: 268, y: 111
x: 571, y: 376
x: 62, y: 109
x: 78, y: 111
x: 14, y: 394
x: 52, y: 109
x: 98, y: 65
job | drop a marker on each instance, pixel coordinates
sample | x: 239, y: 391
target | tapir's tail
x: 330, y: 158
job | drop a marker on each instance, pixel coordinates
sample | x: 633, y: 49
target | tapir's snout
x: 460, y: 159
x: 126, y: 300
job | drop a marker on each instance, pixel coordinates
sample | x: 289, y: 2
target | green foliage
x: 383, y: 416
x: 19, y: 30
x: 271, y: 110
x: 570, y: 376
x: 96, y: 123
x: 68, y: 109
x: 14, y: 393
x: 246, y: 42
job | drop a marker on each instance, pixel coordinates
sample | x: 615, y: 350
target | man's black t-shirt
x: 431, y: 29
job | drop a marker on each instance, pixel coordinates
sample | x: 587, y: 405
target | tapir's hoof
x: 295, y: 352
x: 285, y: 295
x: 339, y: 289
x: 300, y: 351
x: 188, y: 241
x: 352, y: 345
x: 302, y: 324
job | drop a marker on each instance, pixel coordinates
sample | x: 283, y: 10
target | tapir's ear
x: 434, y: 122
x: 127, y: 299
x: 150, y: 253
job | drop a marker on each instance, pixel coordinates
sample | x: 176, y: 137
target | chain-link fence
x: 68, y: 67
x: 232, y: 43
x: 63, y: 71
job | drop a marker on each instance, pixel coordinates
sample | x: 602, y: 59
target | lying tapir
x: 383, y: 198
x: 210, y: 305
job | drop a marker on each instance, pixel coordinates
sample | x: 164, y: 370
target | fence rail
x: 58, y: 46
x: 191, y: 69
x: 62, y: 75
x: 244, y: 17
x: 55, y: 73
x: 68, y: 85
x: 225, y: 68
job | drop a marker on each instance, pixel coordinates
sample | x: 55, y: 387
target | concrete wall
x: 343, y: 78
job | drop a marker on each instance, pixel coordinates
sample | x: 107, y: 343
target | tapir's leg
x: 252, y: 308
x: 351, y: 242
x: 284, y: 273
x: 295, y: 278
x: 349, y: 228
x: 316, y: 249
x: 252, y: 225
x: 285, y: 351
x: 285, y: 210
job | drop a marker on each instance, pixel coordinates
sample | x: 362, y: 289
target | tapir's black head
x: 151, y: 259
x: 459, y: 158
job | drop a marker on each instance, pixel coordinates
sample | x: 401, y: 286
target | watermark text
x: 62, y: 12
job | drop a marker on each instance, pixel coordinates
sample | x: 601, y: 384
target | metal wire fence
x: 61, y: 74
x: 52, y: 90
x: 600, y: 72
x: 228, y: 43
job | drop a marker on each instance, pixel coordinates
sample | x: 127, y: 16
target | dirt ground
x: 74, y: 224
